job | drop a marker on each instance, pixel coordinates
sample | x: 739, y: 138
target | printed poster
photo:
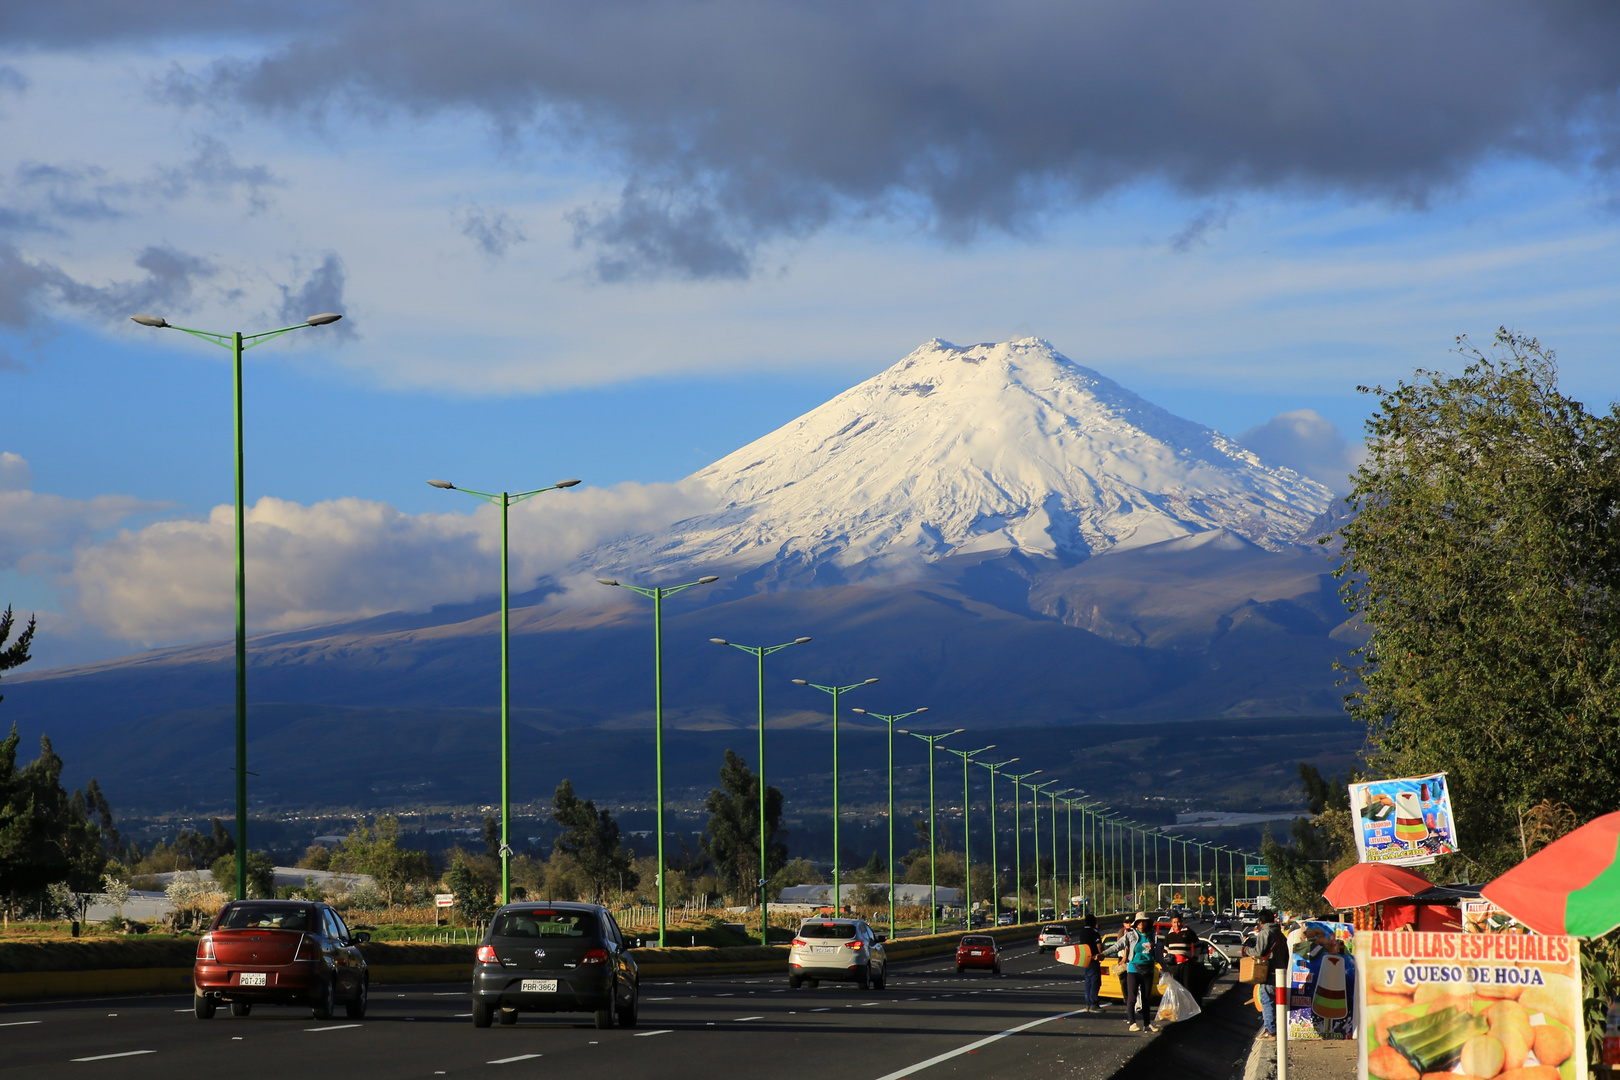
x: 1407, y: 822
x: 1478, y: 1005
x: 1481, y: 916
x: 1321, y: 981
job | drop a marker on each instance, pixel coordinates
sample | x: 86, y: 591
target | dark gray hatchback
x: 555, y: 957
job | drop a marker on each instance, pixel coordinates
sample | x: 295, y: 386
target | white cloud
x: 346, y: 558
x: 1307, y: 442
x: 33, y: 526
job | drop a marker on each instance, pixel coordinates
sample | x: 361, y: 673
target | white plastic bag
x: 1177, y: 1004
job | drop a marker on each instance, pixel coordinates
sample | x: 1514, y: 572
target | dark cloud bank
x: 735, y: 122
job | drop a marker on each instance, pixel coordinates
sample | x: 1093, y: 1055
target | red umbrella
x: 1571, y: 886
x: 1372, y: 883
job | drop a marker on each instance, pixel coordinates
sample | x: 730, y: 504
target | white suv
x: 839, y: 949
x: 1052, y: 936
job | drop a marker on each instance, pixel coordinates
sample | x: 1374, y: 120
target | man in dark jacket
x: 1092, y: 972
x: 1271, y: 946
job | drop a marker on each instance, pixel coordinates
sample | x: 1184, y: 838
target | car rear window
x: 546, y: 923
x: 978, y: 939
x: 839, y: 930
x: 267, y: 917
x: 1054, y: 929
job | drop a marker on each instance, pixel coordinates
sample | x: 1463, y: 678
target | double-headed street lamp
x: 933, y: 860
x: 1035, y: 809
x: 759, y: 653
x: 836, y: 691
x: 1018, y: 844
x: 657, y: 594
x: 889, y: 721
x: 239, y: 343
x: 505, y: 500
x: 995, y: 864
x: 967, y: 834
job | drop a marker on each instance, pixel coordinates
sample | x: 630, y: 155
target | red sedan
x: 280, y: 952
x: 978, y: 951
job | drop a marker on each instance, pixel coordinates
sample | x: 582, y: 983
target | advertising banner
x: 1407, y: 822
x: 1479, y: 1005
x: 1321, y: 981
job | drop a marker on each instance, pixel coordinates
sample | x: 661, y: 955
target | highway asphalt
x: 929, y: 1024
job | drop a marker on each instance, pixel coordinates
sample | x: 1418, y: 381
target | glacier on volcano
x: 969, y: 450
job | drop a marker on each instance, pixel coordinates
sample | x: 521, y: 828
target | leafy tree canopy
x: 1484, y: 559
x: 590, y: 838
x: 732, y: 838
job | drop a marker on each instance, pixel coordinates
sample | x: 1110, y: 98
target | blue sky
x: 620, y: 279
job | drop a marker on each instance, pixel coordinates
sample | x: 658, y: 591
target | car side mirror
x: 881, y: 938
x: 361, y: 938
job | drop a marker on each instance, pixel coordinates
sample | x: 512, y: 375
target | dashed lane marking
x: 508, y: 1061
x: 20, y: 1023
x: 105, y: 1057
x: 661, y: 1031
x: 740, y: 1019
x: 339, y: 1027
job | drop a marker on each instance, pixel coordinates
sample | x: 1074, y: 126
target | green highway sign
x: 1257, y: 872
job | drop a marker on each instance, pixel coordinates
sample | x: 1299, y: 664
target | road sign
x: 445, y: 899
x: 1258, y: 872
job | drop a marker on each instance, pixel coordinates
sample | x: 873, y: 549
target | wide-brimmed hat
x: 1141, y: 916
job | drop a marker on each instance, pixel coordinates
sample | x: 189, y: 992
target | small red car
x: 280, y: 952
x: 978, y: 951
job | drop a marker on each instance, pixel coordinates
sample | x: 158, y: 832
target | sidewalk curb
x: 1262, y: 1061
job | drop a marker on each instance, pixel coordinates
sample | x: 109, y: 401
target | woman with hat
x: 1136, y: 952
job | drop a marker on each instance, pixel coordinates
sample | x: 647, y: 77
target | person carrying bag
x: 1259, y: 961
x: 1136, y: 955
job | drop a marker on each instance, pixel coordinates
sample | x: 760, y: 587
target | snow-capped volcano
x: 956, y: 450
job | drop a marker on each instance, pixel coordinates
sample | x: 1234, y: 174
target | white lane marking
x: 906, y: 1072
x: 20, y: 1023
x: 740, y: 1019
x: 821, y: 1010
x: 460, y: 1015
x: 447, y: 993
x: 508, y: 1061
x: 725, y: 995
x: 236, y: 1038
x: 104, y: 1057
x: 864, y: 1004
x: 644, y: 1034
x: 658, y: 999
x: 334, y: 1027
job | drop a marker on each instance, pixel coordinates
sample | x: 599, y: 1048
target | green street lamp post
x: 759, y: 653
x: 995, y: 864
x: 505, y: 500
x: 1053, y: 796
x: 967, y: 833
x: 1035, y: 812
x: 1018, y: 843
x: 889, y: 722
x: 835, y: 691
x: 657, y: 594
x: 933, y: 860
x: 239, y: 343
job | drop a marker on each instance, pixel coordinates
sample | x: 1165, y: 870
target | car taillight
x: 307, y: 949
x: 799, y: 942
x: 205, y: 948
x: 594, y: 956
x: 486, y: 955
x: 852, y: 944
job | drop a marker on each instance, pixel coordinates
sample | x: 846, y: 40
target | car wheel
x: 629, y: 1013
x: 815, y: 984
x: 960, y: 969
x: 241, y: 1008
x: 882, y: 982
x: 204, y: 1006
x: 357, y: 1008
x: 604, y: 1017
x: 794, y: 982
x: 482, y: 1015
x: 508, y: 1017
x: 996, y: 970
x: 324, y: 1006
x: 863, y: 979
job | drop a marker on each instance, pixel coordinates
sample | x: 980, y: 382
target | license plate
x: 826, y: 948
x: 538, y: 986
x: 975, y: 952
x: 252, y: 978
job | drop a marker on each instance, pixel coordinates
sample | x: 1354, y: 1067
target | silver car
x: 1230, y: 942
x: 845, y: 950
x: 1053, y: 936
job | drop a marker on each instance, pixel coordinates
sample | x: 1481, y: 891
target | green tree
x: 1320, y: 845
x: 731, y: 840
x: 375, y: 850
x: 206, y: 850
x: 590, y: 838
x: 261, y: 875
x: 474, y: 891
x: 1484, y: 559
